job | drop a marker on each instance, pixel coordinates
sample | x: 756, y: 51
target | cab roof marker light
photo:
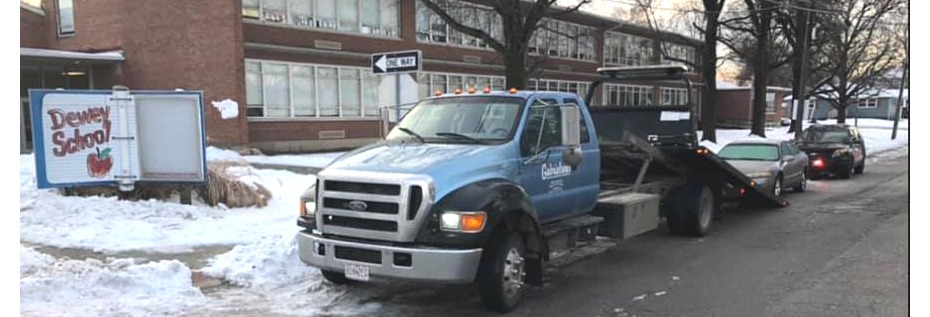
x: 437, y: 92
x: 513, y: 90
x: 486, y: 90
x: 471, y: 90
x: 458, y: 91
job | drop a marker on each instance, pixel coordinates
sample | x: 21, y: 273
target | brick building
x: 300, y: 69
x: 734, y: 105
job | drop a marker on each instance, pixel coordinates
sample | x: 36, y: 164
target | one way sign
x: 396, y: 62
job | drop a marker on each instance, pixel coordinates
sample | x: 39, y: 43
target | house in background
x: 734, y: 105
x: 879, y: 104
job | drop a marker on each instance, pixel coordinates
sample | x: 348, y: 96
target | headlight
x: 308, y: 202
x: 759, y: 175
x: 840, y: 152
x: 459, y: 221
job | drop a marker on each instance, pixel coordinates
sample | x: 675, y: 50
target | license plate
x: 357, y: 272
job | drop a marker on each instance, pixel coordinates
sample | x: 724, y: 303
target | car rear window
x: 750, y: 152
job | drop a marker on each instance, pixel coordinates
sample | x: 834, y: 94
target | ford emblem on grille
x: 358, y: 205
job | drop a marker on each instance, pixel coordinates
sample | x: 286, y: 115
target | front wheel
x: 802, y: 185
x: 776, y: 187
x: 861, y: 167
x: 502, y: 272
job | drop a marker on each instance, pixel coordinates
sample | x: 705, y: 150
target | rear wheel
x: 850, y: 169
x: 334, y: 277
x: 502, y: 271
x: 861, y: 167
x: 690, y: 210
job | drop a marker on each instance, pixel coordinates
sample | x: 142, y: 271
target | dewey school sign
x: 118, y: 137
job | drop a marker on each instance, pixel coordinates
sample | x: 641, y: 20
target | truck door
x: 585, y: 180
x: 543, y: 174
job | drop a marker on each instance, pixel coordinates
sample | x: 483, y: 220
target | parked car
x: 772, y: 164
x: 834, y: 149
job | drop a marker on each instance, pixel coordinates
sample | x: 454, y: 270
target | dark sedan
x: 835, y: 149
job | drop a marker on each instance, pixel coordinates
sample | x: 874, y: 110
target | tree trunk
x: 515, y: 69
x: 841, y: 111
x: 709, y: 74
x: 759, y: 87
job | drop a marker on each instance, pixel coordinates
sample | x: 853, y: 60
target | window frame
x: 319, y: 24
x: 61, y: 31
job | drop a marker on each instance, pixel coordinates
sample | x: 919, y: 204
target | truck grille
x: 377, y: 206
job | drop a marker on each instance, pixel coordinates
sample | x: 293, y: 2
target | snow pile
x: 228, y: 109
x: 118, y: 287
x: 31, y: 260
x: 270, y: 262
x: 276, y: 280
x: 218, y: 154
x: 108, y: 224
x: 875, y: 132
x: 318, y: 160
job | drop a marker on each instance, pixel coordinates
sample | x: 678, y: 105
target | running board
x: 566, y: 233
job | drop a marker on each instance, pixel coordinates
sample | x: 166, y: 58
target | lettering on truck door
x: 544, y: 176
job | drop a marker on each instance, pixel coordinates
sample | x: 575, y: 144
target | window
x: 674, y: 54
x: 65, y: 17
x: 429, y: 83
x: 543, y: 126
x: 770, y: 106
x: 674, y: 96
x: 628, y: 95
x: 868, y: 103
x: 627, y: 50
x: 431, y: 28
x: 370, y: 17
x: 749, y: 152
x: 785, y: 149
x: 575, y: 87
x: 487, y: 119
x: 283, y: 90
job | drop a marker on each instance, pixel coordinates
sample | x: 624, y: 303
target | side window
x: 794, y: 148
x: 545, y: 119
x: 785, y: 149
x: 585, y: 137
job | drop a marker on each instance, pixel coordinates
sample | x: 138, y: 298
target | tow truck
x: 484, y: 187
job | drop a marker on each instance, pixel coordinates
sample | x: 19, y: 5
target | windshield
x: 460, y: 120
x: 826, y: 136
x: 750, y: 152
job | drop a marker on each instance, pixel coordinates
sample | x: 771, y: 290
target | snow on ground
x: 876, y: 132
x: 117, y: 287
x: 109, y: 224
x: 318, y: 160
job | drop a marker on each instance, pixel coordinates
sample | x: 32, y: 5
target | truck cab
x: 462, y: 183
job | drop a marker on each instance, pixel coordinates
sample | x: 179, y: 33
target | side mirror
x: 571, y: 135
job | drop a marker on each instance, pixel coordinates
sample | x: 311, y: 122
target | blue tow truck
x: 483, y: 187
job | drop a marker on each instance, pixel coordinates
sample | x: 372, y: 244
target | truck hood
x: 754, y: 166
x: 449, y: 165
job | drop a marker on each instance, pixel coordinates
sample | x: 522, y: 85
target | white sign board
x: 92, y: 138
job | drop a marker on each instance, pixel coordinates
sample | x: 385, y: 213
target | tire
x: 337, y: 278
x: 861, y: 167
x: 850, y: 170
x: 802, y: 185
x: 777, y: 188
x: 501, y: 274
x: 690, y: 210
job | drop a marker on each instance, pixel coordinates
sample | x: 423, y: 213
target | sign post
x: 397, y: 63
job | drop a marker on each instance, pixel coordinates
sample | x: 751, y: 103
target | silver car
x: 773, y: 164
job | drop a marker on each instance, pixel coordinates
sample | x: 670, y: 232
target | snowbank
x: 108, y: 224
x: 118, y: 287
x: 276, y: 280
x: 218, y: 154
x: 228, y: 109
x: 876, y: 132
x: 318, y: 160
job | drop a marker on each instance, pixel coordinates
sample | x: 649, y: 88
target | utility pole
x: 800, y: 100
x: 907, y: 60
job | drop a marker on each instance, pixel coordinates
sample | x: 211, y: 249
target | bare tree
x: 855, y: 53
x: 510, y: 35
x: 756, y: 39
x: 687, y: 20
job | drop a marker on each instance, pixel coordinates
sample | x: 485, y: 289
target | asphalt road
x: 839, y: 250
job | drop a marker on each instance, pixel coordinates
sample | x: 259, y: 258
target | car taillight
x: 818, y: 163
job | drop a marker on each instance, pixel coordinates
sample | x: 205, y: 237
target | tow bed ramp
x: 666, y: 135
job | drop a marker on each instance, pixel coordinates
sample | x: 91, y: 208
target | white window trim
x: 636, y: 89
x: 870, y: 103
x: 624, y: 60
x: 287, y: 24
x: 58, y: 21
x: 429, y: 76
x: 316, y: 94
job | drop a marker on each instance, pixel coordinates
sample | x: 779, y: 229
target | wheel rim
x: 803, y: 181
x: 706, y: 207
x: 777, y: 187
x: 513, y: 272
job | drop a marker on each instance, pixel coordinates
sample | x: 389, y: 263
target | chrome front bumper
x: 428, y: 264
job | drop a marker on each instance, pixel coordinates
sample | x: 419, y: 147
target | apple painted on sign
x: 99, y: 164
